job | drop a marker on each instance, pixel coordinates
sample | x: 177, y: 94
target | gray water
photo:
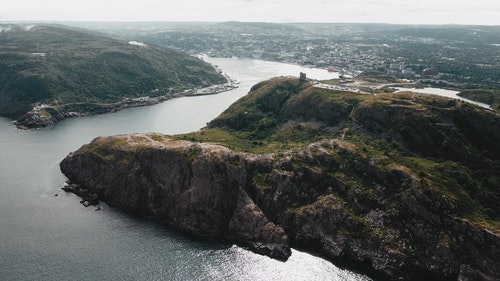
x: 49, y: 237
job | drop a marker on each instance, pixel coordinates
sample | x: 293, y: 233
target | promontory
x: 400, y: 186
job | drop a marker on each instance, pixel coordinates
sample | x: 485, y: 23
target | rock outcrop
x: 399, y: 186
x: 392, y: 232
x: 196, y: 188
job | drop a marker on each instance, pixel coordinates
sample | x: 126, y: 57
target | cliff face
x: 400, y: 186
x: 327, y: 196
x: 392, y: 231
x: 197, y: 188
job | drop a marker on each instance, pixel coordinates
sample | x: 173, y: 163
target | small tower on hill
x: 302, y: 77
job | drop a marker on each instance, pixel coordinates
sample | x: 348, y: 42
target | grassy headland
x: 402, y: 186
x: 450, y: 146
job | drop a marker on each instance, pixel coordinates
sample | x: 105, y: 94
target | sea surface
x: 45, y: 234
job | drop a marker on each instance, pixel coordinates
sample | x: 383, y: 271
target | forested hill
x: 57, y: 65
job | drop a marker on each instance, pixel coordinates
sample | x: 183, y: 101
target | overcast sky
x: 383, y: 11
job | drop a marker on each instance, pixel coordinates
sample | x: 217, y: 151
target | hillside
x: 400, y: 186
x: 73, y: 72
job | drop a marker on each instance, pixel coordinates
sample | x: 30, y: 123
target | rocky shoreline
x: 43, y: 115
x: 185, y: 196
x: 268, y: 202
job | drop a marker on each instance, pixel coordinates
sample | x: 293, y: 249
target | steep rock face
x: 329, y: 197
x: 394, y: 244
x: 197, y: 188
x: 326, y: 197
x: 401, y: 186
x: 444, y: 128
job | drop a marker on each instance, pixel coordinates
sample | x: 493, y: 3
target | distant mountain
x: 69, y: 71
x: 400, y: 186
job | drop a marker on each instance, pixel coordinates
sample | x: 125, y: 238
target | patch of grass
x: 487, y: 96
x: 44, y: 114
x: 491, y: 225
x: 219, y: 136
x: 157, y: 137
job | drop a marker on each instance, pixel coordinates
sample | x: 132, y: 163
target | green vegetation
x: 56, y: 66
x: 491, y: 97
x: 450, y: 147
x: 465, y: 56
x: 405, y: 177
x: 274, y: 117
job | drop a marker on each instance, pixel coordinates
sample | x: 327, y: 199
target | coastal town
x: 441, y: 56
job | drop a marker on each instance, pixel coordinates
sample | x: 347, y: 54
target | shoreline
x: 43, y: 115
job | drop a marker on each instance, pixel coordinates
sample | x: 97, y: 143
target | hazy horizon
x: 480, y: 12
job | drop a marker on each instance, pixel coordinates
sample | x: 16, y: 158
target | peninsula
x: 401, y: 186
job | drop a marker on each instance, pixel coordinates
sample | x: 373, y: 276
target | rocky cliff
x: 197, y: 188
x: 400, y: 186
x: 393, y: 230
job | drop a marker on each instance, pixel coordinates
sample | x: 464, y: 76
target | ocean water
x: 45, y: 234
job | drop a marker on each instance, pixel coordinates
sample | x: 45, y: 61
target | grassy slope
x: 451, y: 147
x: 394, y: 185
x: 491, y: 97
x: 79, y: 66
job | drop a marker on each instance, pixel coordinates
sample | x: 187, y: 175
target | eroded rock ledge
x: 316, y: 197
x: 196, y: 188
